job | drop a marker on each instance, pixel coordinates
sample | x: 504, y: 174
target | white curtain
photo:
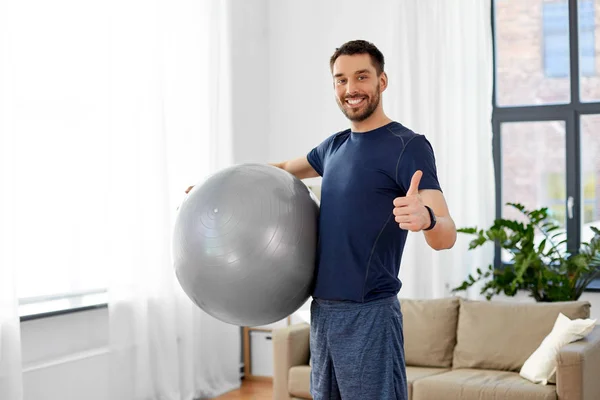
x: 170, y: 126
x: 443, y: 61
x: 11, y: 377
x: 108, y: 111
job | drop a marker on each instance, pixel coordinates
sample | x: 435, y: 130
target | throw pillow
x: 540, y: 367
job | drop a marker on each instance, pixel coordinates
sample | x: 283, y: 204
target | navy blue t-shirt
x: 360, y: 244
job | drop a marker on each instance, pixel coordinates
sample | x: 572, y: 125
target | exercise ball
x: 244, y: 244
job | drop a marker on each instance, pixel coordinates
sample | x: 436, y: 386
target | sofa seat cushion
x: 299, y: 382
x: 299, y: 379
x: 474, y: 384
x: 415, y: 373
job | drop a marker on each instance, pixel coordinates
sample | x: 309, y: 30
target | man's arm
x: 299, y: 167
x: 443, y: 234
x: 412, y: 215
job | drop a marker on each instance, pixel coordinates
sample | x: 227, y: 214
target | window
x: 60, y: 92
x: 555, y: 192
x: 93, y: 178
x: 556, y: 38
x: 546, y: 120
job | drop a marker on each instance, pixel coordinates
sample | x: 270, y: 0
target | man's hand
x: 410, y: 211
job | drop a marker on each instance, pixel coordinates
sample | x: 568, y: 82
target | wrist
x: 432, y: 219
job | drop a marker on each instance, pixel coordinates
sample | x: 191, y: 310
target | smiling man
x: 379, y: 182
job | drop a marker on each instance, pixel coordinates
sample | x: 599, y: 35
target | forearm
x: 443, y: 235
x: 299, y: 167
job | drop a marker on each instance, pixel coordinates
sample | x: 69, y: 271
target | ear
x: 383, y: 81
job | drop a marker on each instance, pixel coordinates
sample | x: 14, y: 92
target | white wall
x: 303, y: 36
x: 65, y: 357
x: 250, y: 68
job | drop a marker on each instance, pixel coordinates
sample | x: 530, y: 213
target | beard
x: 364, y: 111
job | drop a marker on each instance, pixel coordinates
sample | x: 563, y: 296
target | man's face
x: 357, y: 86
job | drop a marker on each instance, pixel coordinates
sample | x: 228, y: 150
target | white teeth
x: 354, y: 101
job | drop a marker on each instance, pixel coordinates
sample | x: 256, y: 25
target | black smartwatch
x: 433, y: 220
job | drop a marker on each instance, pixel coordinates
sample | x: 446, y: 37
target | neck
x: 376, y: 120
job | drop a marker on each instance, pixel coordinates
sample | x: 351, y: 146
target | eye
x: 341, y: 81
x: 362, y: 77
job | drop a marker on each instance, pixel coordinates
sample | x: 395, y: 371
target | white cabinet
x: 261, y: 353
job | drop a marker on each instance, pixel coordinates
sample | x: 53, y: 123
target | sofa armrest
x: 291, y: 347
x: 578, y: 367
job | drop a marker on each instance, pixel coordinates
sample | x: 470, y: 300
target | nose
x: 350, y: 88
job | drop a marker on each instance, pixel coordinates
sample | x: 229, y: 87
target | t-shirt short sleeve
x: 317, y: 157
x: 417, y: 155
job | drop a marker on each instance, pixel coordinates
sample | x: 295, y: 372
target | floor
x: 250, y: 390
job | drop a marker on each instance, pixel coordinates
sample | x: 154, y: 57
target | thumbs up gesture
x: 410, y: 212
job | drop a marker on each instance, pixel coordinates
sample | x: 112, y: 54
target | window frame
x: 570, y: 113
x: 53, y: 305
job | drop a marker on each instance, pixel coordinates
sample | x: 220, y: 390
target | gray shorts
x: 357, y: 350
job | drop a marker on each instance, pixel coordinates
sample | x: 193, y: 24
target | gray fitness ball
x: 244, y: 244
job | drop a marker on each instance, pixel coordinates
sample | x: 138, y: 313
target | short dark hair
x: 360, y: 47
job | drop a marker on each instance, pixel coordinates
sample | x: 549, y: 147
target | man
x: 379, y: 182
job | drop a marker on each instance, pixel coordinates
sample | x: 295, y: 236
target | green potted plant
x: 539, y: 264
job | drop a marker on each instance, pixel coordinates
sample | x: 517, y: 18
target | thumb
x: 414, y: 183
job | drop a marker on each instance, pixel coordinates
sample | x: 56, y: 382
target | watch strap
x: 432, y: 217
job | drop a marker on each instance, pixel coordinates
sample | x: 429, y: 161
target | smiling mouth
x: 355, y: 102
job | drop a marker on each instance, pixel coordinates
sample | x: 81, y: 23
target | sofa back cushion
x: 501, y: 335
x: 429, y: 331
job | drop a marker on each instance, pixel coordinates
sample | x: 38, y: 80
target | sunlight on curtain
x: 58, y: 59
x: 444, y: 69
x: 169, y: 126
x: 11, y: 377
x: 109, y: 111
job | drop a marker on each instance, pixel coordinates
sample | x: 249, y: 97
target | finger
x: 414, y: 183
x: 404, y: 201
x: 404, y: 219
x: 409, y: 227
x: 409, y: 209
x: 401, y: 202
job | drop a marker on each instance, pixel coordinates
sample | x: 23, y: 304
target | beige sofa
x: 463, y: 349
